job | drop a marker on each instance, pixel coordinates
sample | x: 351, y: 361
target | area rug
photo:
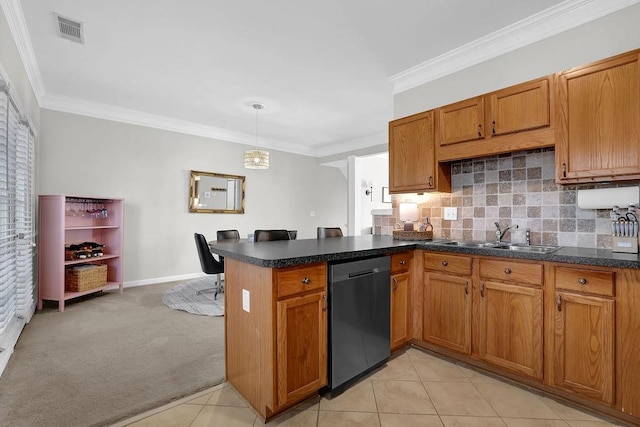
x: 109, y: 357
x: 185, y: 297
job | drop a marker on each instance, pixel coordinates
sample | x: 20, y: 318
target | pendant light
x: 256, y: 159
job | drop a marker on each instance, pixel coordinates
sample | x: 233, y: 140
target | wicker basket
x: 413, y: 235
x: 84, y: 277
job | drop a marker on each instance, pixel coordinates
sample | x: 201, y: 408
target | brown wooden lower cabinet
x: 301, y: 355
x: 399, y: 310
x: 400, y: 301
x: 511, y: 335
x: 511, y: 311
x: 276, y: 333
x: 569, y: 330
x: 447, y: 311
x: 584, y: 345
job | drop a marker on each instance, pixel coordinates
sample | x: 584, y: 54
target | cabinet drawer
x: 511, y: 271
x: 400, y: 262
x: 588, y: 281
x: 291, y: 281
x: 448, y: 263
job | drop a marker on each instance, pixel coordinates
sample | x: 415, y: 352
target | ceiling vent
x: 70, y: 29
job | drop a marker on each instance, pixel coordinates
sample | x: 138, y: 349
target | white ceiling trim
x: 556, y: 19
x: 18, y: 27
x: 125, y: 115
x: 354, y: 144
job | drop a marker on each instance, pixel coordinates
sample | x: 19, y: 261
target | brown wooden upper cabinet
x: 598, y: 133
x: 491, y: 123
x: 412, y: 163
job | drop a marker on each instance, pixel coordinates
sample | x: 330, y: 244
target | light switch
x: 451, y: 214
x: 246, y: 301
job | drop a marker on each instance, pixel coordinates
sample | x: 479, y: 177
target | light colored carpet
x: 185, y: 297
x: 107, y: 358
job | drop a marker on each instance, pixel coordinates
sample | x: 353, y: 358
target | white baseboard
x: 165, y: 279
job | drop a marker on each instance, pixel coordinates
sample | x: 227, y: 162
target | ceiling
x: 326, y: 70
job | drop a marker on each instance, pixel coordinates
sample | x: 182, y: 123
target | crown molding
x: 134, y: 117
x: 18, y: 27
x: 554, y: 20
x: 373, y: 140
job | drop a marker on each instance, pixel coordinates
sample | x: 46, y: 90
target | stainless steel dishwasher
x: 359, y: 319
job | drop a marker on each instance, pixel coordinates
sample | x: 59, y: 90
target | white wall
x: 374, y: 169
x: 608, y: 36
x: 149, y: 168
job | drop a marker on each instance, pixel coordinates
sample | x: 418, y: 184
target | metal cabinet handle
x: 559, y: 302
x: 466, y: 287
x: 306, y: 281
x: 445, y: 263
x: 482, y: 290
x: 493, y: 127
x: 564, y: 170
x: 582, y: 281
x: 507, y: 270
x: 395, y: 284
x: 403, y: 262
x: 479, y: 131
x: 325, y: 303
x: 431, y: 181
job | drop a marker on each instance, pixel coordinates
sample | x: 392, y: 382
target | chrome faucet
x: 528, y: 236
x: 500, y: 233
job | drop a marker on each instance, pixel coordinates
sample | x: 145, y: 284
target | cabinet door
x: 512, y: 327
x: 599, y: 123
x: 583, y: 345
x: 412, y: 154
x: 399, y: 310
x: 301, y: 336
x: 518, y: 108
x: 462, y: 121
x: 447, y: 311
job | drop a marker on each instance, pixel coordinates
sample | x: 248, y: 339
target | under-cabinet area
x: 80, y: 246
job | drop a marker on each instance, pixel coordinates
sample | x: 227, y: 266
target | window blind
x: 8, y: 282
x: 17, y: 286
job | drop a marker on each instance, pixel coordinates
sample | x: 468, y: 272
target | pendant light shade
x: 256, y: 159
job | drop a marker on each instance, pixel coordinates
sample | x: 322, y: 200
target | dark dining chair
x: 227, y: 235
x: 209, y: 264
x: 324, y: 232
x: 265, y: 235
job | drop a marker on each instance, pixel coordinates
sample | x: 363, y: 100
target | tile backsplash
x: 512, y: 189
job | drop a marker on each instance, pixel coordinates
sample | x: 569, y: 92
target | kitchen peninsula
x: 276, y: 316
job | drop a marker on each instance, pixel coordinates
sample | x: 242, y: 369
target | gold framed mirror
x: 216, y: 193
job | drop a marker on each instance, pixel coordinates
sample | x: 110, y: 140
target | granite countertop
x: 285, y: 253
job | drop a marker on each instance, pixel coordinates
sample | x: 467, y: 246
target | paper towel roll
x: 606, y: 198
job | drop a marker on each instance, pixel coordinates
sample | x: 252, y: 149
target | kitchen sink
x: 530, y: 248
x: 541, y: 249
x: 468, y: 244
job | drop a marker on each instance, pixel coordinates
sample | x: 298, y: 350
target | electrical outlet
x: 451, y: 214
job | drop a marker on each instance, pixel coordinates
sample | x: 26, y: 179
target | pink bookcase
x: 65, y: 220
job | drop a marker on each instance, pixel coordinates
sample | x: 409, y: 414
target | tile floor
x: 413, y: 389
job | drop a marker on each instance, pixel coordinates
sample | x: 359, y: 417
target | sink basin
x: 468, y: 244
x: 495, y: 245
x: 531, y: 248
